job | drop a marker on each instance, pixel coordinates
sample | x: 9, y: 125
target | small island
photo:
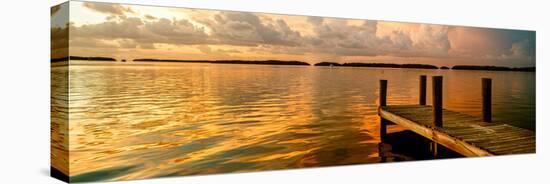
x: 62, y: 59
x: 91, y: 58
x: 425, y: 66
x: 379, y: 65
x: 493, y: 68
x: 254, y: 62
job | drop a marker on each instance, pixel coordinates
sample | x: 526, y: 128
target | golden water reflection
x: 142, y: 121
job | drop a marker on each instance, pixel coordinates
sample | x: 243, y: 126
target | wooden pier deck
x: 465, y: 134
x: 462, y: 133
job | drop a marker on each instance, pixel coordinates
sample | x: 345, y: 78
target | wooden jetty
x: 465, y: 134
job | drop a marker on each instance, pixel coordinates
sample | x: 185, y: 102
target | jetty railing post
x: 486, y: 95
x: 422, y: 98
x: 437, y: 105
x: 382, y: 100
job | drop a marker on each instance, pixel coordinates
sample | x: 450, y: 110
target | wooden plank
x: 511, y: 146
x: 494, y: 136
x: 463, y: 133
x: 505, y: 149
x: 487, y: 141
x: 531, y: 149
x: 441, y: 138
x: 490, y: 142
x: 476, y: 131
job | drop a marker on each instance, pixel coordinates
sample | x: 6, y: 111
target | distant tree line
x: 258, y: 62
x: 82, y: 58
x: 493, y: 68
x: 325, y: 63
x: 381, y: 65
x: 425, y: 66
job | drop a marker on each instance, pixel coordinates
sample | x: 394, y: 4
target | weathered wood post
x: 437, y: 103
x: 382, y: 96
x: 486, y: 96
x: 422, y: 98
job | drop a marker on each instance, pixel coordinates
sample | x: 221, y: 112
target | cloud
x: 54, y: 10
x: 240, y: 29
x: 129, y: 28
x: 133, y: 32
x: 127, y: 43
x: 114, y: 9
x: 521, y: 49
x: 362, y: 38
x: 59, y: 42
x: 237, y: 28
x: 336, y: 36
x: 204, y: 49
x: 94, y: 43
x: 315, y: 20
x: 229, y: 51
x: 150, y: 17
x: 262, y: 35
x: 433, y: 38
x: 401, y: 40
x: 174, y: 32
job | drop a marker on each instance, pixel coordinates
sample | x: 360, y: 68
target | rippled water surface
x: 132, y: 121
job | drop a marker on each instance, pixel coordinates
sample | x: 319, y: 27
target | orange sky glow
x: 134, y: 31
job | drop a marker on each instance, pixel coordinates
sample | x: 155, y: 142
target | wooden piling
x: 422, y: 98
x: 437, y: 103
x: 382, y: 96
x: 486, y: 96
x: 383, y: 129
x: 437, y: 100
x: 434, y: 149
x: 383, y: 92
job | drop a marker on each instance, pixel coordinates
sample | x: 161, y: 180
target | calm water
x: 132, y: 121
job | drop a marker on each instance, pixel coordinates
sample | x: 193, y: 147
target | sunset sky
x: 132, y: 31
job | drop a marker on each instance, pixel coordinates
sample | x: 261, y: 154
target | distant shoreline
x: 301, y: 63
x: 425, y: 66
x: 258, y: 62
x: 378, y: 65
x: 494, y: 68
x: 54, y: 60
